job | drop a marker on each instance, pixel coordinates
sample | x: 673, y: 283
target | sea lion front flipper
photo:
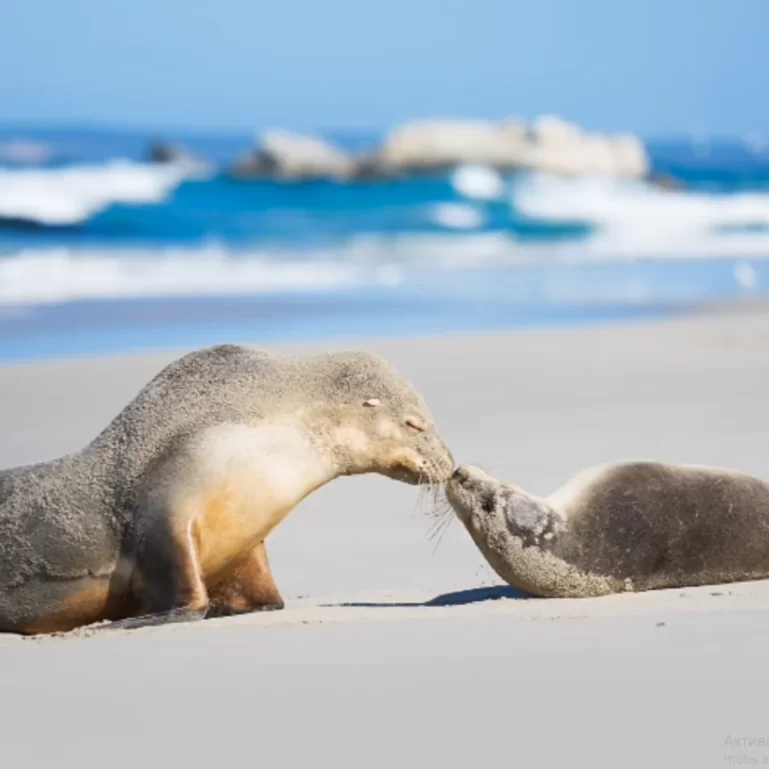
x: 168, y: 579
x: 250, y: 587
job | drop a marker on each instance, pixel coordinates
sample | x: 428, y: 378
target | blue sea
x: 102, y: 251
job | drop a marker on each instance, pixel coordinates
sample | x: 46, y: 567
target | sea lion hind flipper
x: 148, y: 620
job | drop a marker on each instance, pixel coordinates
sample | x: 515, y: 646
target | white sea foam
x: 631, y: 220
x: 457, y: 216
x: 478, y: 182
x: 46, y: 276
x: 609, y: 202
x: 634, y: 218
x: 50, y: 276
x: 70, y: 196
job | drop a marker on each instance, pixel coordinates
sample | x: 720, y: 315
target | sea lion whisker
x: 444, y: 528
x: 422, y: 504
x: 435, y: 526
x: 443, y: 516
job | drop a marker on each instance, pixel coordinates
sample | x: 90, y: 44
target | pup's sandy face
x: 474, y: 495
x: 495, y: 512
x: 405, y: 445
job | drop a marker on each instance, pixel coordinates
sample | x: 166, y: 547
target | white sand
x: 522, y: 683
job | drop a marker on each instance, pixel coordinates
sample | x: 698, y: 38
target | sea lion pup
x: 627, y: 527
x: 166, y: 511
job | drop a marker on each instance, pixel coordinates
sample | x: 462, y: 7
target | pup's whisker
x: 441, y: 532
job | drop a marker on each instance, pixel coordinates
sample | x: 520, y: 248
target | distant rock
x: 429, y: 146
x: 23, y: 152
x: 293, y: 157
x: 666, y: 182
x: 192, y: 166
x: 550, y: 144
x: 165, y: 152
x: 435, y: 145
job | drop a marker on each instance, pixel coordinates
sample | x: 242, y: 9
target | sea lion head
x: 486, y: 505
x: 475, y: 496
x: 386, y: 426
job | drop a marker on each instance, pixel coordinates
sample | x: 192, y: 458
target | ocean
x: 102, y: 251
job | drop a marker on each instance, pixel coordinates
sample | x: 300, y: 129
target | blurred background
x: 177, y: 174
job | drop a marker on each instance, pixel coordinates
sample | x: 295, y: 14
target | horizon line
x: 169, y: 132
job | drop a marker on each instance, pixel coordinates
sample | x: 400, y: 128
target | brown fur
x: 165, y: 513
x: 80, y: 607
x: 633, y: 526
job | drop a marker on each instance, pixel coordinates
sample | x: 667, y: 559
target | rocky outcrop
x: 666, y: 182
x: 166, y: 152
x: 179, y: 160
x: 293, y: 157
x: 23, y: 152
x: 549, y: 144
x: 431, y: 145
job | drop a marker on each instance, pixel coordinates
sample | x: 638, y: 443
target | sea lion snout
x: 441, y: 459
x: 466, y: 475
x: 473, y: 493
x: 434, y: 462
x: 419, y: 464
x: 461, y: 475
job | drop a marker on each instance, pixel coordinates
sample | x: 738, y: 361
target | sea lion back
x: 642, y: 520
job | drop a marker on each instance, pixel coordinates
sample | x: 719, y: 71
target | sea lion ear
x: 372, y: 402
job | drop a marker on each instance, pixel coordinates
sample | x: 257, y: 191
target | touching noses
x: 461, y: 476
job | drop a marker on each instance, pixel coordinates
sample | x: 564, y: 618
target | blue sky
x: 653, y: 66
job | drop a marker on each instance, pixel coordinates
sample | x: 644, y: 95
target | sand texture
x: 393, y: 651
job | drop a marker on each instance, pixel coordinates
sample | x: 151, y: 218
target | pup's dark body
x: 629, y: 527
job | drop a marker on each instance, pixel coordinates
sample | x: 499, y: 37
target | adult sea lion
x: 163, y: 516
x: 627, y: 527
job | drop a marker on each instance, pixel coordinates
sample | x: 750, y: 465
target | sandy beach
x: 397, y: 650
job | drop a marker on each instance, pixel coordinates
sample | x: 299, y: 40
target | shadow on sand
x: 458, y: 598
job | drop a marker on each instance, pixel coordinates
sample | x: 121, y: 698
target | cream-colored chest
x: 246, y: 479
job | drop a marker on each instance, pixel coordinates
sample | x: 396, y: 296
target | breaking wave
x: 61, y: 197
x: 636, y: 218
x: 48, y: 276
